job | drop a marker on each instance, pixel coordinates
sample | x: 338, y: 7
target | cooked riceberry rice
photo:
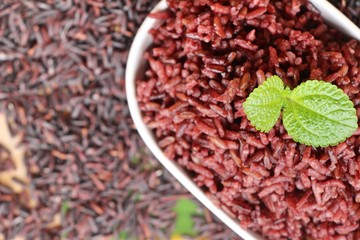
x: 205, y: 60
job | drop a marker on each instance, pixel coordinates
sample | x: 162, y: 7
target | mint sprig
x: 315, y: 113
x: 185, y: 209
x: 264, y: 104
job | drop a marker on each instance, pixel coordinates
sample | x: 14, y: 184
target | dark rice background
x: 62, y: 84
x: 350, y: 7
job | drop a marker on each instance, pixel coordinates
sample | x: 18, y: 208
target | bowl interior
x: 135, y: 70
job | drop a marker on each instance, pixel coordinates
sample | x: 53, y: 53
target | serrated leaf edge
x: 290, y: 98
x: 287, y: 97
x: 269, y: 83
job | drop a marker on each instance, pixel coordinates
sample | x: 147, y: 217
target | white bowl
x: 134, y: 70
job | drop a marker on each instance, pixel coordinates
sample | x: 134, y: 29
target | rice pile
x: 206, y: 59
x: 62, y: 88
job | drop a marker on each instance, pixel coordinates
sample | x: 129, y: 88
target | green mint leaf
x: 319, y: 114
x: 264, y: 104
x: 123, y: 235
x: 65, y: 208
x: 316, y: 113
x: 184, y: 224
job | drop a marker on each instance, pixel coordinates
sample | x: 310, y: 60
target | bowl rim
x: 140, y: 43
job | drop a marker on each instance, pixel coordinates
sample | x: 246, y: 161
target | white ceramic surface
x: 336, y: 18
x: 134, y: 70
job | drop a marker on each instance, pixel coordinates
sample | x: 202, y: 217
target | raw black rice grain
x: 62, y: 69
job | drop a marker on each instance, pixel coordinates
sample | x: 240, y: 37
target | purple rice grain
x: 271, y: 184
x: 62, y: 66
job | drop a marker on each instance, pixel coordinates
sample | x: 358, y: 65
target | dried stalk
x: 14, y: 178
